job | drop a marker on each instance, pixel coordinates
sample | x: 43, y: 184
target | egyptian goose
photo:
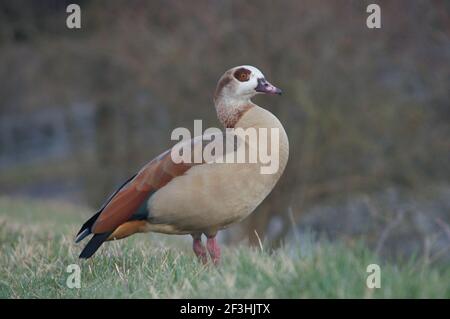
x: 173, y: 197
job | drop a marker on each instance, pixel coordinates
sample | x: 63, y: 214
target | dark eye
x: 242, y: 75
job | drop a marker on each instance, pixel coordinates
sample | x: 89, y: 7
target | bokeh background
x: 366, y: 111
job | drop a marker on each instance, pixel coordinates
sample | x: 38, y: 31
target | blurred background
x: 367, y: 111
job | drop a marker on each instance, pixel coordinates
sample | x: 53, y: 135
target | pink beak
x: 265, y: 87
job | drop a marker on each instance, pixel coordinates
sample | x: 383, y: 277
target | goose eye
x: 242, y: 75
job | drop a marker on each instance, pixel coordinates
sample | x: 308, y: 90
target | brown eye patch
x: 242, y: 74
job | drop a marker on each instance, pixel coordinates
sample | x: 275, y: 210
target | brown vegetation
x: 363, y: 109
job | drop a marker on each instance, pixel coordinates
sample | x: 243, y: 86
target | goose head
x: 239, y: 84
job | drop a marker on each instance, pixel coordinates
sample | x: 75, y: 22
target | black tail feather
x: 82, y: 235
x: 96, y: 241
x: 85, y: 230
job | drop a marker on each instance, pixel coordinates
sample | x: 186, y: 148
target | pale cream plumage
x: 209, y: 197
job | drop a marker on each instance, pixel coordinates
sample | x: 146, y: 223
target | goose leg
x: 213, y: 249
x: 199, y: 249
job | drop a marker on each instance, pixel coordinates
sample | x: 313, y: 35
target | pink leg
x: 213, y: 249
x: 199, y: 249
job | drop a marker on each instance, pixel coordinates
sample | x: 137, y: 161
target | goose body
x: 198, y: 198
x: 210, y: 197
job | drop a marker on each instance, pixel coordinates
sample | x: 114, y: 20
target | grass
x: 36, y: 240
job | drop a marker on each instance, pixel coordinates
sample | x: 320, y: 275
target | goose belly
x: 209, y: 197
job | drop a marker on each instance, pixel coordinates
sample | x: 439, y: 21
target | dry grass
x: 36, y: 247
